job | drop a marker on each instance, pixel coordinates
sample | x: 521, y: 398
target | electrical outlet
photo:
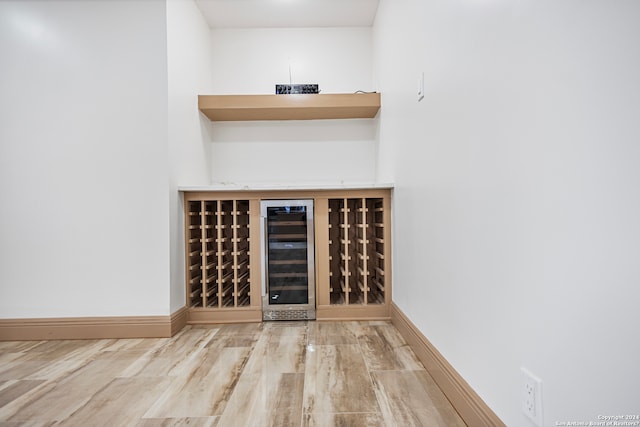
x: 532, y: 396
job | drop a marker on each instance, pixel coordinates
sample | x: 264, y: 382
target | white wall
x: 517, y: 240
x: 189, y: 73
x: 83, y: 159
x: 252, y: 61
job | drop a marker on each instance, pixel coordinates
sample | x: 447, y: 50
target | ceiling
x: 288, y: 13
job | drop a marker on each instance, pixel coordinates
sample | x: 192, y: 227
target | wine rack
x: 229, y: 271
x: 218, y: 254
x: 356, y: 251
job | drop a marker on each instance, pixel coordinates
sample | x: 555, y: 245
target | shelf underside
x: 289, y: 107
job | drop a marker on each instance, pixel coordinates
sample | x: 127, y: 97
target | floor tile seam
x: 91, y: 398
x: 342, y: 413
x: 404, y: 346
x: 375, y: 389
x: 182, y: 358
x: 158, y: 346
x: 172, y: 377
x: 234, y: 385
x: 387, y: 416
x: 56, y: 419
x: 394, y: 343
x: 138, y: 410
x: 259, y: 328
x: 307, y: 337
x: 13, y: 344
x: 9, y: 382
x: 335, y: 345
x: 433, y: 407
x: 11, y: 357
x: 245, y: 375
x: 180, y: 418
x: 398, y: 370
x: 184, y: 364
x: 28, y: 397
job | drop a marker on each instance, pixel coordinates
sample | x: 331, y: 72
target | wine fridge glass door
x: 288, y: 256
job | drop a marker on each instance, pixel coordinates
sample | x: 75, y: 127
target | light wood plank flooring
x: 259, y: 374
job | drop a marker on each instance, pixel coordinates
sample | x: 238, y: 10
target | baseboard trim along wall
x: 179, y: 320
x: 92, y: 327
x: 464, y: 399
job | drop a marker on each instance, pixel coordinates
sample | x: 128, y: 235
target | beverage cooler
x: 288, y: 288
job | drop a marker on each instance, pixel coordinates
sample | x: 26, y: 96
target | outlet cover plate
x: 532, y: 396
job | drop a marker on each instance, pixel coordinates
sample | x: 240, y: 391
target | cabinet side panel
x: 388, y: 250
x: 322, y: 250
x: 255, y: 266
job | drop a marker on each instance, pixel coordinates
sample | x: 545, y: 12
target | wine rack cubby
x: 356, y: 251
x: 218, y: 254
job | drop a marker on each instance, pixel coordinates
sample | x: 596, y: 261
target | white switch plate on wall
x: 421, y: 87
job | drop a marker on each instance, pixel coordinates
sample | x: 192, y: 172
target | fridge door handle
x: 265, y: 255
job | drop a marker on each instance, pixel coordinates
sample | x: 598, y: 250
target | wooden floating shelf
x: 289, y: 107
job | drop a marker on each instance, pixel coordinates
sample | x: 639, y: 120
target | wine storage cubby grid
x: 218, y: 273
x: 356, y: 251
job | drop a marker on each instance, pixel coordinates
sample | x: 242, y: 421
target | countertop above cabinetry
x: 284, y: 187
x: 289, y: 107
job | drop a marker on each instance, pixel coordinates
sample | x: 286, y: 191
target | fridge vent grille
x: 288, y: 315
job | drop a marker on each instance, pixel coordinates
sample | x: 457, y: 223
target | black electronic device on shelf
x: 288, y: 89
